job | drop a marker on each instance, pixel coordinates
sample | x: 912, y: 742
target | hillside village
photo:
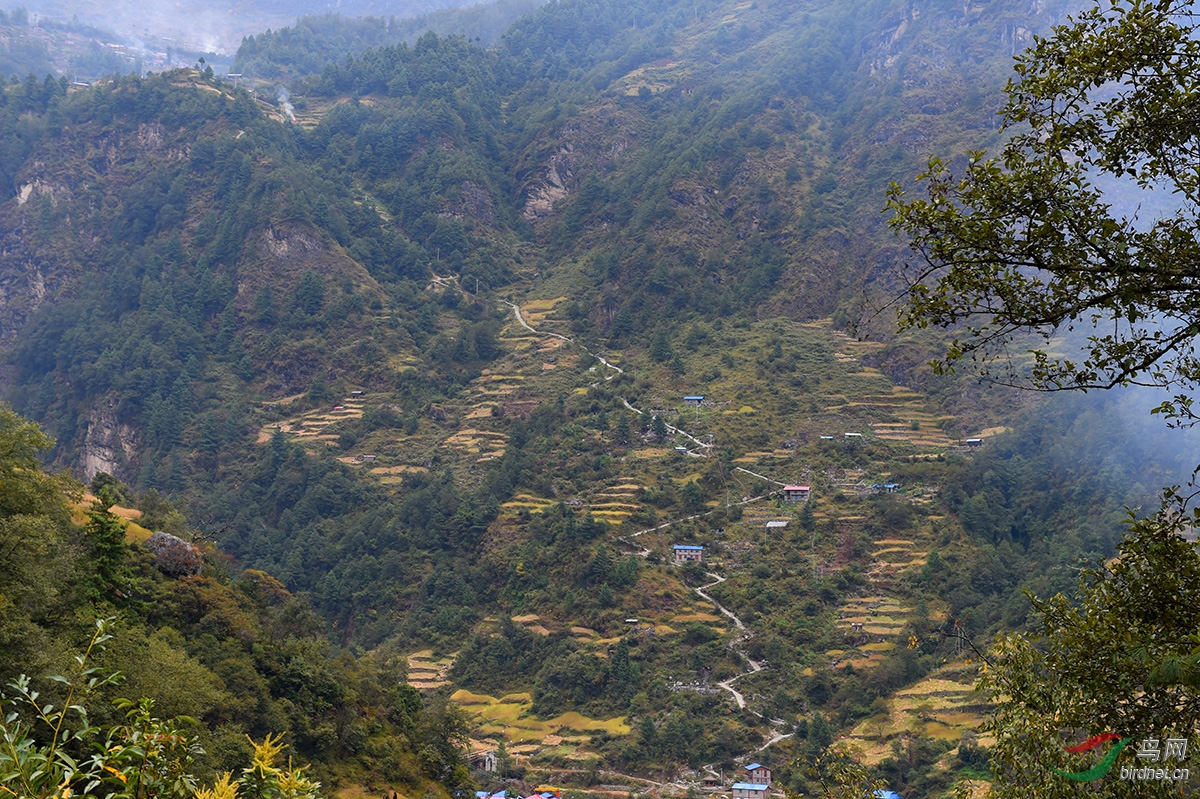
x: 523, y: 413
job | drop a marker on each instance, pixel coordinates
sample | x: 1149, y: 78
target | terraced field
x: 896, y: 555
x: 511, y: 716
x: 425, y: 672
x: 483, y: 444
x: 617, y: 502
x: 870, y: 625
x: 944, y: 705
x: 310, y: 427
x: 529, y: 503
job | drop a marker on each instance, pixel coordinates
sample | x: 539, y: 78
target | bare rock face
x: 473, y: 203
x: 173, y: 556
x: 108, y: 445
x: 590, y: 144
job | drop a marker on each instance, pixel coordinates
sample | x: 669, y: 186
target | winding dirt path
x: 759, y: 476
x: 736, y: 645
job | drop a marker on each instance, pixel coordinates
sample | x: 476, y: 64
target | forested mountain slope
x: 415, y: 341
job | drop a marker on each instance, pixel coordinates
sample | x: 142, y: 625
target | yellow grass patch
x: 359, y: 792
x: 510, y: 715
x: 886, y: 646
x: 136, y: 534
x: 935, y: 685
x: 686, y: 617
x: 125, y: 513
x: 649, y: 452
x: 534, y: 306
x: 401, y: 469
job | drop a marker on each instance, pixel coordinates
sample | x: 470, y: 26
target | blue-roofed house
x: 686, y: 553
x: 882, y: 794
x: 757, y: 772
x: 695, y: 399
x: 750, y: 790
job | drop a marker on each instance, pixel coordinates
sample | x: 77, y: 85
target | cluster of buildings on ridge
x: 757, y: 784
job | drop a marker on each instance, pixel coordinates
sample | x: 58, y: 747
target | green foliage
x: 834, y: 774
x: 1123, y: 660
x: 274, y: 260
x: 314, y: 41
x: 60, y: 751
x: 107, y: 553
x: 1032, y: 241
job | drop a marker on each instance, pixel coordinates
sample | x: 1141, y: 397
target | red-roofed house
x: 795, y: 493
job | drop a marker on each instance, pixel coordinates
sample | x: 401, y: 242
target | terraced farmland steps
x: 516, y: 309
x: 736, y: 645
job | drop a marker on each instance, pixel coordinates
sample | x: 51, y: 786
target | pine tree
x: 820, y: 737
x: 104, y: 535
x: 660, y: 428
x: 621, y: 429
x: 660, y: 347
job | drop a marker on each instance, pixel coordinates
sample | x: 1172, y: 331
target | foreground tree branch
x: 1026, y: 242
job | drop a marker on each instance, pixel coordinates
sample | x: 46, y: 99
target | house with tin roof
x: 796, y: 494
x: 750, y: 790
x: 758, y: 773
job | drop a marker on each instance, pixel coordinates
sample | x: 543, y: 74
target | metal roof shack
x: 796, y: 493
x: 750, y: 790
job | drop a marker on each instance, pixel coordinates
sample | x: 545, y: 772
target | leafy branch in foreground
x: 1029, y: 242
x: 1124, y: 659
x: 49, y: 750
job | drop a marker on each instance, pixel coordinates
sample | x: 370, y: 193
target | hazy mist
x: 216, y: 26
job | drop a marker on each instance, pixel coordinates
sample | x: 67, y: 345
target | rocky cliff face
x: 108, y: 445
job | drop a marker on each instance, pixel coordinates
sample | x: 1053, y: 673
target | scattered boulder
x: 173, y: 556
